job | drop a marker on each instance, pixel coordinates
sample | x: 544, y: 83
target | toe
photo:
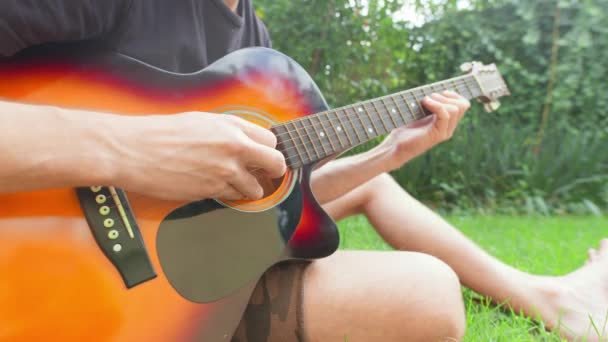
x: 604, y: 246
x: 592, y: 253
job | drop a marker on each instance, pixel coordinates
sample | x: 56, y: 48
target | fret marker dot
x: 322, y: 134
x: 339, y: 129
x: 393, y: 110
x: 414, y: 104
x: 360, y: 109
x: 371, y: 130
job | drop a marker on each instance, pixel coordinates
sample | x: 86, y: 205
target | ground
x: 543, y: 245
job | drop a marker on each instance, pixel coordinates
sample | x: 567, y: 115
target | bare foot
x: 577, y: 304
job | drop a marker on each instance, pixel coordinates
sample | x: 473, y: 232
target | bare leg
x: 406, y: 224
x: 381, y: 296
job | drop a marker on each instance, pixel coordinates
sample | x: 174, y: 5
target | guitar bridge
x: 113, y: 225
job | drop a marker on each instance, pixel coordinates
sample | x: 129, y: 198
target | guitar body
x: 56, y: 283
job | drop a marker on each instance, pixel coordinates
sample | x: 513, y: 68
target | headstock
x: 490, y: 82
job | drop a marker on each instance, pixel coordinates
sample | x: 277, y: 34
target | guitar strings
x: 401, y: 102
x: 467, y: 81
x: 357, y: 125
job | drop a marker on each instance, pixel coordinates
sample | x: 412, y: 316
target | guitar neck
x: 315, y: 137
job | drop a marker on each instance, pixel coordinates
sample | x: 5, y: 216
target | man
x: 359, y: 296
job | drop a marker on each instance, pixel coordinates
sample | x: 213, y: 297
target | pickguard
x: 208, y: 251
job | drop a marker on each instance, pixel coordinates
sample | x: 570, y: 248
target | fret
x: 338, y: 132
x: 370, y: 118
x: 282, y: 145
x: 423, y: 109
x: 466, y: 83
x: 379, y: 115
x: 423, y: 91
x: 354, y: 128
x: 416, y: 104
x: 323, y: 135
x: 294, y: 142
x: 310, y: 142
x: 350, y: 141
x: 391, y: 111
x: 455, y: 85
x: 407, y: 103
x: 320, y: 135
x: 329, y: 135
x: 476, y: 89
x: 367, y: 133
x: 388, y: 127
x: 462, y: 89
x: 419, y: 104
x: 441, y: 86
x: 302, y: 144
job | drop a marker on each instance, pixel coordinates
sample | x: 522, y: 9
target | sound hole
x: 269, y: 185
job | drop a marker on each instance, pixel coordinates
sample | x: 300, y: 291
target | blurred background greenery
x: 543, y: 152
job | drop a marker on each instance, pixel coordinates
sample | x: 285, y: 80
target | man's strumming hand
x: 193, y: 156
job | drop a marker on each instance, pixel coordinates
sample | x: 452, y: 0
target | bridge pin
x: 108, y: 223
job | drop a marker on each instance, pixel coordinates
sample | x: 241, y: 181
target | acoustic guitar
x: 99, y: 264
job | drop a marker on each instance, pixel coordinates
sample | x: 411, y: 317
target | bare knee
x: 381, y: 181
x: 438, y: 302
x: 379, y: 186
x: 382, y: 296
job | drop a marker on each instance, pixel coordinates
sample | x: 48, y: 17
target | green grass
x: 542, y: 245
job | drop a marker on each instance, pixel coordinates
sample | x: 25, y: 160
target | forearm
x: 340, y: 176
x: 45, y: 147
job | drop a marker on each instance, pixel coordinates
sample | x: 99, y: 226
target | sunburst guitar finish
x: 55, y: 282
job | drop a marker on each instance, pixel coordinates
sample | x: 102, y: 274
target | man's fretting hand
x: 194, y: 156
x: 405, y: 143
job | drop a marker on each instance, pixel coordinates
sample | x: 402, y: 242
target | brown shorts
x: 274, y: 313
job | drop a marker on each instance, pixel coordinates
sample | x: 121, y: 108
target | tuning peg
x: 466, y: 67
x: 491, y: 106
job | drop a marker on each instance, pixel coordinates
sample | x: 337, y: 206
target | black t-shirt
x: 175, y: 35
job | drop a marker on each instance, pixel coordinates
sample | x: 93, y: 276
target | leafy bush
x: 544, y: 151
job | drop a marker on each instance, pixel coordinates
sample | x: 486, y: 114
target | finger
x: 451, y: 106
x: 443, y: 117
x: 452, y: 94
x: 230, y: 193
x: 247, y: 185
x: 446, y: 101
x: 257, y: 133
x: 452, y: 110
x: 266, y: 158
x: 461, y: 103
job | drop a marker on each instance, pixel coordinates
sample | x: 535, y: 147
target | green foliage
x: 543, y: 151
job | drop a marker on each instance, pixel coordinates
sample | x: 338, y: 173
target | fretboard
x: 315, y: 137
